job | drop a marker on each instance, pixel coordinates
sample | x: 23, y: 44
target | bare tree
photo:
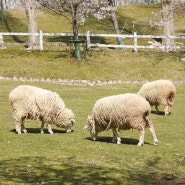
x: 74, y: 10
x: 32, y: 24
x: 2, y: 45
x: 2, y: 12
x: 168, y: 24
x: 116, y: 25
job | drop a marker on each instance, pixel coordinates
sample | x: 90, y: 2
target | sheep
x: 30, y: 102
x: 159, y: 92
x: 122, y: 112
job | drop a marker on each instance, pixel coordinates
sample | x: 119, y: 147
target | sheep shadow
x: 37, y: 131
x: 159, y: 113
x: 126, y: 141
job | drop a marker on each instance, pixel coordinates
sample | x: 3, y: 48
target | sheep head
x: 66, y: 119
x: 91, y: 127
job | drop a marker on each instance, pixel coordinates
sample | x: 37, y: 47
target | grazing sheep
x: 159, y: 92
x: 29, y: 102
x: 122, y: 112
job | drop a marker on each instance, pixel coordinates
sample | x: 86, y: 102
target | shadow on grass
x: 66, y: 170
x: 14, y: 26
x: 159, y: 113
x: 127, y: 141
x: 38, y: 170
x: 37, y: 131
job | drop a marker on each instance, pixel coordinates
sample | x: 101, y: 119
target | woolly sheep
x: 159, y: 92
x: 122, y: 112
x: 29, y: 102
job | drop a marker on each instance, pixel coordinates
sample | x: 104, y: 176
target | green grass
x: 99, y: 65
x: 72, y: 158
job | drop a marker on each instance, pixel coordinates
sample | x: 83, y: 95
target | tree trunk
x: 168, y: 24
x: 2, y: 45
x: 2, y: 12
x: 76, y: 41
x: 116, y: 28
x: 75, y: 32
x: 32, y: 24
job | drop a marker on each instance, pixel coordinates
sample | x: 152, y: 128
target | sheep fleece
x: 35, y: 103
x: 123, y: 111
x: 159, y: 92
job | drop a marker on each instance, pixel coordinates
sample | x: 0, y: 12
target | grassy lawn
x: 72, y: 158
x: 99, y: 65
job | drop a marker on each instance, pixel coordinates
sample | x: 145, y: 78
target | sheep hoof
x: 25, y: 131
x: 155, y: 143
x: 50, y: 131
x: 140, y: 144
x: 18, y: 131
x: 118, y: 141
x: 93, y: 138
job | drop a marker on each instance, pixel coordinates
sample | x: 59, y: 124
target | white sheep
x: 122, y: 112
x: 159, y: 92
x: 29, y: 102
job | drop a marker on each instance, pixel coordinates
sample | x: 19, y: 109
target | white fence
x: 135, y: 38
x: 89, y: 35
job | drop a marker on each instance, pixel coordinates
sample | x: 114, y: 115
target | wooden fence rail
x: 89, y: 35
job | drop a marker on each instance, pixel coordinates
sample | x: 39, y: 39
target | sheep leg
x: 42, y: 128
x: 141, y: 137
x: 23, y: 128
x: 152, y: 131
x: 156, y: 108
x: 49, y: 129
x: 116, y: 138
x: 18, y: 126
x: 166, y: 110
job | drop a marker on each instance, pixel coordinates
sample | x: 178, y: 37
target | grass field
x: 72, y: 158
x: 100, y: 65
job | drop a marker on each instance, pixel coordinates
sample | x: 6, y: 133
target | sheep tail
x: 170, y: 98
x: 147, y: 119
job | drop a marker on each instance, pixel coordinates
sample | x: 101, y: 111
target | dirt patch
x: 169, y: 178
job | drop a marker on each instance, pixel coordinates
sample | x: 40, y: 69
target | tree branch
x: 57, y: 12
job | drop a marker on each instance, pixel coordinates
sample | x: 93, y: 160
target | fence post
x: 88, y: 40
x: 41, y: 40
x: 135, y: 42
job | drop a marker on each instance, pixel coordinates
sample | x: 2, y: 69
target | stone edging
x: 78, y: 82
